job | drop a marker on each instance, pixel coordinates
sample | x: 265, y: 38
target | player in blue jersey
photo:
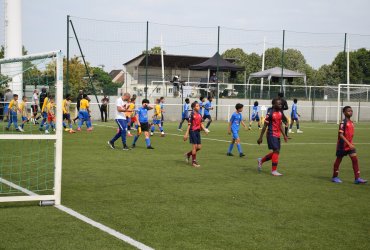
x: 185, y: 113
x: 142, y: 123
x: 234, y: 126
x: 255, y: 116
x: 294, y: 116
x: 207, y: 114
x: 201, y: 103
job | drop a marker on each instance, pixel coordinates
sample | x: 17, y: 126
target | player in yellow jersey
x: 157, y: 118
x: 23, y: 110
x: 66, y: 114
x: 51, y: 115
x: 83, y: 114
x: 128, y: 114
x: 12, y: 113
x: 44, y: 113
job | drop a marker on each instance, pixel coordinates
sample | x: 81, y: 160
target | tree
x: 103, y: 81
x: 155, y: 51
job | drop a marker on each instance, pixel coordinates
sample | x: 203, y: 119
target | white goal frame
x: 347, y: 87
x: 58, y: 136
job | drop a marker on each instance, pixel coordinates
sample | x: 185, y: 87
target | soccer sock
x: 22, y: 126
x: 231, y: 147
x: 189, y: 153
x: 161, y: 129
x: 209, y: 123
x: 80, y: 123
x: 239, y: 148
x: 135, y: 139
x: 88, y: 124
x: 275, y: 160
x: 291, y: 126
x: 147, y: 141
x: 336, y: 166
x: 267, y: 157
x: 180, y: 125
x: 298, y: 126
x: 356, y: 169
x: 194, y: 157
x: 259, y: 125
x: 64, y: 125
x: 152, y: 129
x: 42, y: 123
x: 47, y: 126
x: 70, y: 125
x: 286, y: 130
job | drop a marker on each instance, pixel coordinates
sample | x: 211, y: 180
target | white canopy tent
x: 276, y: 72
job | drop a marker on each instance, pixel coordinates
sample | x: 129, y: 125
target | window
x: 170, y: 91
x: 158, y: 90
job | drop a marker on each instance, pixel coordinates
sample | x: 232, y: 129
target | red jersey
x: 273, y: 120
x: 195, y: 120
x: 348, y: 129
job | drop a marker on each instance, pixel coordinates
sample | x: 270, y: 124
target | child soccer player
x: 193, y: 132
x: 51, y: 115
x: 12, y: 114
x: 294, y: 117
x: 207, y: 115
x: 161, y: 100
x: 201, y: 103
x: 83, y: 114
x: 23, y: 110
x: 345, y: 147
x: 234, y: 125
x: 273, y: 124
x: 255, y: 116
x: 129, y: 116
x: 132, y: 107
x: 157, y: 118
x: 143, y: 124
x: 185, y: 113
x: 44, y: 112
x: 66, y: 114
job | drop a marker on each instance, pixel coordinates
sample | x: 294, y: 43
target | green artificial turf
x: 154, y: 197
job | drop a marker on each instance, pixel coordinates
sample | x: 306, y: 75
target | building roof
x: 217, y: 62
x: 171, y: 61
x: 114, y: 73
x: 117, y: 75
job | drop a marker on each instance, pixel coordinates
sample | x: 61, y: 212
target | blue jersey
x: 162, y: 106
x: 206, y: 108
x: 143, y: 114
x: 185, y: 111
x: 255, y: 110
x: 294, y: 112
x: 235, y: 121
x: 201, y: 108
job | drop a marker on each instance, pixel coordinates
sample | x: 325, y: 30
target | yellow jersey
x: 84, y: 104
x: 131, y: 108
x: 51, y: 108
x: 66, y: 105
x: 157, y: 111
x: 13, y: 105
x: 45, y: 104
x: 23, y: 108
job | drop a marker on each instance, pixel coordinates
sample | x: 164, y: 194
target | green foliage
x: 155, y: 51
x: 103, y: 82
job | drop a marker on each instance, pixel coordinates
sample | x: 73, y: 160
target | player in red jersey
x: 273, y: 122
x: 193, y: 132
x: 345, y: 147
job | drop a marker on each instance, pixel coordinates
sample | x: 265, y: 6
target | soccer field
x: 154, y: 197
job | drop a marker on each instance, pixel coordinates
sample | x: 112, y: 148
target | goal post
x: 31, y: 160
x: 351, y: 95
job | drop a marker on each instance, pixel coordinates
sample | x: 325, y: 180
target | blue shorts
x: 235, y: 134
x: 24, y: 118
x: 273, y: 143
x: 66, y: 116
x: 294, y: 118
x: 255, y: 118
x: 194, y: 137
x: 207, y: 117
x: 84, y: 115
x: 44, y: 115
x: 156, y: 122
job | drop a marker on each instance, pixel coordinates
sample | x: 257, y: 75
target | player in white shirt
x: 35, y: 106
x: 122, y: 106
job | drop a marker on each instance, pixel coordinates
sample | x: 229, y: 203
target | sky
x: 44, y: 26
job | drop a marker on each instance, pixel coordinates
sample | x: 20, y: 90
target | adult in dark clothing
x: 43, y: 95
x: 104, y: 108
x: 79, y: 98
x: 1, y: 106
x: 285, y: 107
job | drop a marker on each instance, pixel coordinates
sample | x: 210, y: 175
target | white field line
x: 85, y: 219
x: 253, y: 144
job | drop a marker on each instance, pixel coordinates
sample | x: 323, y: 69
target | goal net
x: 356, y: 96
x: 30, y: 158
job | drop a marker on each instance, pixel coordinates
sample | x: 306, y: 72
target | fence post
x: 326, y: 114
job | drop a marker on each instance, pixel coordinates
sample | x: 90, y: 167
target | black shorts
x: 207, y: 117
x: 35, y: 108
x: 66, y: 117
x: 273, y: 143
x: 194, y: 137
x: 145, y: 126
x: 342, y: 153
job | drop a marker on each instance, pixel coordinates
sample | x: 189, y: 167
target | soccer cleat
x: 54, y: 129
x: 89, y: 129
x: 40, y: 128
x: 133, y: 146
x: 259, y: 128
x: 125, y: 148
x: 78, y: 129
x: 47, y: 132
x: 229, y: 154
x: 299, y: 131
x: 111, y: 145
x: 162, y: 134
x: 187, y: 158
x: 66, y: 129
x: 195, y: 164
x: 20, y: 129
x: 207, y: 130
x: 7, y: 129
x: 336, y: 180
x: 249, y: 128
x: 289, y: 131
x: 241, y: 155
x: 129, y: 135
x: 151, y: 133
x: 71, y: 131
x: 149, y: 147
x: 276, y: 173
x: 179, y: 129
x: 259, y: 166
x: 360, y: 181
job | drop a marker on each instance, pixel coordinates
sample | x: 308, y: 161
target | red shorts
x: 51, y: 118
x: 133, y: 119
